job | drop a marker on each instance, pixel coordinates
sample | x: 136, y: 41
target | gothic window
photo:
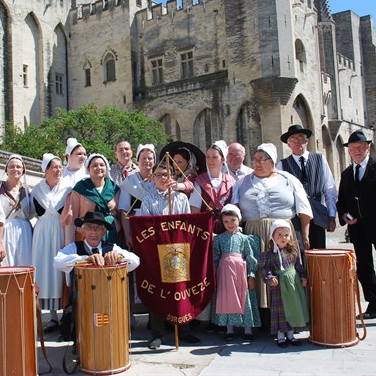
x: 157, y: 71
x: 138, y: 3
x: 24, y: 75
x: 109, y: 68
x: 59, y: 83
x: 186, y: 60
x: 87, y: 77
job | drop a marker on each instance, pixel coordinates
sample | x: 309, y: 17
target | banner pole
x: 170, y: 212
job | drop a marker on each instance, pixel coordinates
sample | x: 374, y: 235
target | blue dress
x: 248, y: 246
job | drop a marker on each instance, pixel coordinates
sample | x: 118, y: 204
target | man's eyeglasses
x: 160, y: 176
x: 94, y: 228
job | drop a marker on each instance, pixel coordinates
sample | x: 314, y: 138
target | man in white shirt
x: 92, y: 249
x: 313, y: 171
x: 235, y: 159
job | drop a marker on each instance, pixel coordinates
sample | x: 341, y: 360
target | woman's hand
x: 251, y: 283
x: 304, y: 282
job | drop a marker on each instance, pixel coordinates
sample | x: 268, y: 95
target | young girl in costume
x: 281, y: 269
x: 235, y: 261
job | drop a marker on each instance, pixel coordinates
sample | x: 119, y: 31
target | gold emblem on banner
x: 174, y: 261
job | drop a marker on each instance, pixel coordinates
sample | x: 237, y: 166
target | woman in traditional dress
x: 75, y: 155
x: 213, y: 188
x: 266, y: 195
x: 133, y: 187
x: 95, y: 193
x: 15, y: 202
x: 48, y: 198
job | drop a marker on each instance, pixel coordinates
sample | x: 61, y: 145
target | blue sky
x: 360, y: 7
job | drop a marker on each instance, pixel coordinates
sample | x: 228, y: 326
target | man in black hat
x: 357, y: 207
x: 92, y: 249
x: 313, y: 171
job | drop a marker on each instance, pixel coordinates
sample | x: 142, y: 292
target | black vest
x: 314, y: 171
x: 82, y: 251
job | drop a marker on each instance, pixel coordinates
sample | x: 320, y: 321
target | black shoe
x: 293, y: 342
x: 281, y: 343
x: 211, y: 328
x: 51, y: 326
x: 248, y: 338
x: 221, y: 329
x: 367, y: 316
x: 155, y: 343
x: 229, y: 337
x: 190, y: 338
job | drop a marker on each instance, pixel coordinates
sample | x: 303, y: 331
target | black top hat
x: 357, y: 136
x: 174, y: 146
x: 293, y: 129
x: 93, y: 217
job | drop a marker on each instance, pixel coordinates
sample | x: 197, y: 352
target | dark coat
x: 359, y: 199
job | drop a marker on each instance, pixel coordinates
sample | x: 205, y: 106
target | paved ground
x: 215, y: 357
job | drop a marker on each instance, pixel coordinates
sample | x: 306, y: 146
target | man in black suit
x: 357, y: 207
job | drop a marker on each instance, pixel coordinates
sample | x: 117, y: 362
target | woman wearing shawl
x: 96, y: 193
x: 15, y: 212
x: 48, y: 197
x: 213, y: 187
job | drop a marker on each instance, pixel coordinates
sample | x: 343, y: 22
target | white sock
x: 280, y: 335
x: 290, y: 334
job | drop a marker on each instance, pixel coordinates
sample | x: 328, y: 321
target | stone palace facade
x: 238, y: 70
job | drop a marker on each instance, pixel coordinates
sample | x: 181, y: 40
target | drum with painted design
x: 332, y: 278
x: 102, y: 319
x: 17, y: 321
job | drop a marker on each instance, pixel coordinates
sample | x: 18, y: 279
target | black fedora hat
x: 357, y: 136
x: 293, y: 129
x: 174, y: 146
x: 93, y: 217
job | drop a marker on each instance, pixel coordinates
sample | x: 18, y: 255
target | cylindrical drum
x: 332, y: 278
x: 102, y: 319
x: 17, y: 321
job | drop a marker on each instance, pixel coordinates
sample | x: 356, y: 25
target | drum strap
x: 357, y: 293
x: 41, y: 337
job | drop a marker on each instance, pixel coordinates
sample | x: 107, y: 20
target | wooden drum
x: 332, y: 278
x: 17, y: 321
x: 102, y: 319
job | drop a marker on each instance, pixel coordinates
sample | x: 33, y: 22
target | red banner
x: 175, y: 279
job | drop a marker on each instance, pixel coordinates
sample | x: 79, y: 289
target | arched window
x: 109, y: 68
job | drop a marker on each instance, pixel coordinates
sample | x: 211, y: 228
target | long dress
x: 17, y: 239
x: 235, y: 261
x: 48, y: 239
x: 288, y: 304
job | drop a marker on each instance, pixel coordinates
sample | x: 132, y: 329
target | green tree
x: 96, y: 129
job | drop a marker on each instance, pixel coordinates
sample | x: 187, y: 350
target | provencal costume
x: 235, y: 260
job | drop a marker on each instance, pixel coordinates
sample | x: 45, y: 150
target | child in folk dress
x: 236, y: 264
x: 281, y: 269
